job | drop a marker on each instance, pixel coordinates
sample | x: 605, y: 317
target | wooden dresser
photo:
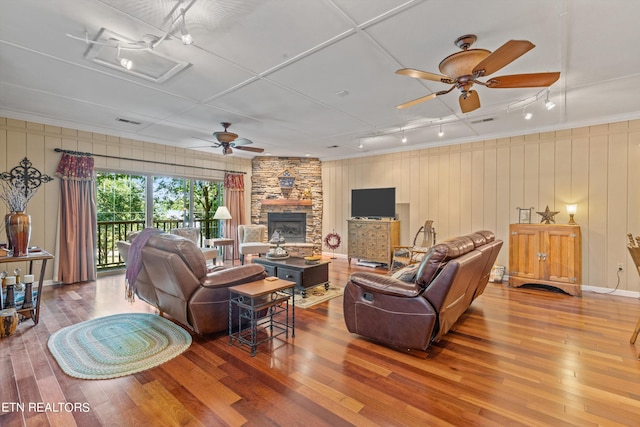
x: 546, y: 254
x: 373, y: 240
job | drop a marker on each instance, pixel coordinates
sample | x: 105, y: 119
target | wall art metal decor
x: 31, y: 177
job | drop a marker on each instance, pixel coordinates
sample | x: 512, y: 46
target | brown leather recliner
x: 174, y: 279
x: 412, y: 315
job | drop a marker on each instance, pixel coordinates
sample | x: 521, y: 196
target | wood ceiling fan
x: 228, y: 141
x: 463, y: 69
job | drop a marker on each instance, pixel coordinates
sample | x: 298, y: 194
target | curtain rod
x: 80, y: 153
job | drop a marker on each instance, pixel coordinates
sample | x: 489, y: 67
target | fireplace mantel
x: 286, y: 202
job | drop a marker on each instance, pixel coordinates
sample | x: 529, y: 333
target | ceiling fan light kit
x: 463, y: 69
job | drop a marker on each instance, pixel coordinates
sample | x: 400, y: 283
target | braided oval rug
x: 117, y: 345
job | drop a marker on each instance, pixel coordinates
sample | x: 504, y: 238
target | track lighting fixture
x: 186, y: 37
x: 549, y: 103
x: 126, y: 63
x: 404, y: 138
x: 441, y: 132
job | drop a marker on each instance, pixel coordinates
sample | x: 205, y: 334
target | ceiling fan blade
x: 253, y: 149
x: 416, y: 101
x: 470, y: 102
x: 505, y: 54
x: 524, y: 80
x: 417, y: 74
x: 213, y: 143
x: 241, y: 141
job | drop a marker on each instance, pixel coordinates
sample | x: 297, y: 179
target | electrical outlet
x: 620, y: 266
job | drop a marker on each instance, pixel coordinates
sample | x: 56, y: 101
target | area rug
x: 317, y: 295
x: 118, y: 345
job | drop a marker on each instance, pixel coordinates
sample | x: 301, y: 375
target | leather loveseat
x: 175, y: 279
x: 410, y: 315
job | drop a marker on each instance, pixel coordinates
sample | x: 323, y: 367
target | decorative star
x: 547, y: 216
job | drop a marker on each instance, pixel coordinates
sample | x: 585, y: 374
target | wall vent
x: 131, y: 122
x: 489, y: 119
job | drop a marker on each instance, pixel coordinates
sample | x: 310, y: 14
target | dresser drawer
x: 270, y: 269
x: 289, y: 274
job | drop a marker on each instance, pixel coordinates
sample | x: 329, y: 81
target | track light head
x: 440, y: 132
x: 549, y: 103
x: 186, y: 37
x: 126, y: 63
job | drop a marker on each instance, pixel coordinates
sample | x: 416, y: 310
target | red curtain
x: 234, y: 201
x: 78, y: 213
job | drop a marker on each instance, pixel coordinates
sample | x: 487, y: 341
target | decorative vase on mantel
x: 18, y: 227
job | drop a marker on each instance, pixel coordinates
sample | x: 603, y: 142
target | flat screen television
x: 373, y: 202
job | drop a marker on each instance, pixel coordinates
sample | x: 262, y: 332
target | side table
x: 33, y: 313
x: 220, y: 243
x: 252, y: 299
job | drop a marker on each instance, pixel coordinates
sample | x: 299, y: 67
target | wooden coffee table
x: 306, y: 275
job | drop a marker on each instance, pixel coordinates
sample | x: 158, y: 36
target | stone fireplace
x: 291, y: 225
x: 302, y: 199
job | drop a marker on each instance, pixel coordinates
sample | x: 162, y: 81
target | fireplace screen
x: 291, y: 226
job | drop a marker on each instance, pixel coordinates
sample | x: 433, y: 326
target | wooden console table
x: 33, y: 313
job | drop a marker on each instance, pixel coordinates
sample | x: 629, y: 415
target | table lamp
x: 222, y: 213
x: 571, y: 210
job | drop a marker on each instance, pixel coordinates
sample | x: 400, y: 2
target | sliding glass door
x: 132, y: 202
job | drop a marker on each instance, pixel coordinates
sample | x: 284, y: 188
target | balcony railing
x: 109, y: 232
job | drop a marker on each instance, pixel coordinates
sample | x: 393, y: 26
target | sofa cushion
x: 488, y: 235
x: 253, y: 233
x: 439, y: 255
x: 478, y: 239
x: 184, y: 248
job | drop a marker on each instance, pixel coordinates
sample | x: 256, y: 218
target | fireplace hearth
x: 291, y: 225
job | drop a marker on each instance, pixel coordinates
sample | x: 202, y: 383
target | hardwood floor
x: 517, y: 357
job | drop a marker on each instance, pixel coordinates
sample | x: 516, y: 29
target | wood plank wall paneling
x: 19, y: 139
x: 461, y: 187
x: 479, y: 185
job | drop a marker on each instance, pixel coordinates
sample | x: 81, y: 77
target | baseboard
x: 609, y: 291
x: 596, y: 290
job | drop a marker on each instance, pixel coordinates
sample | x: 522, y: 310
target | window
x: 175, y: 202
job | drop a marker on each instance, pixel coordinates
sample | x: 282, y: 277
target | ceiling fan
x: 229, y: 140
x: 463, y: 69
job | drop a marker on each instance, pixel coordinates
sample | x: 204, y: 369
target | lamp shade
x: 572, y: 209
x: 222, y: 213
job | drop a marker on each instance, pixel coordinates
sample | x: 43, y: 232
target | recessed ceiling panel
x: 112, y: 50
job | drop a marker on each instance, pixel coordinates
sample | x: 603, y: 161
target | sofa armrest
x: 234, y: 276
x: 385, y: 285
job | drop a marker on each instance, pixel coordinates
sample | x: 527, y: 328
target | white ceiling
x: 316, y: 77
